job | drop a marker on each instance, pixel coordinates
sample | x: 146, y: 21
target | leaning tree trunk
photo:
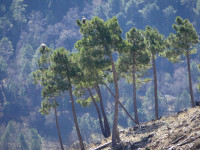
x: 58, y: 128
x: 75, y: 119
x: 106, y: 124
x: 115, y: 132
x: 98, y: 112
x: 134, y: 92
x: 190, y: 79
x: 155, y: 87
x: 120, y: 104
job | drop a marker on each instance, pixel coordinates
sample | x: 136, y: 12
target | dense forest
x: 130, y: 61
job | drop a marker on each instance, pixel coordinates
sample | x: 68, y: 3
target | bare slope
x: 180, y: 131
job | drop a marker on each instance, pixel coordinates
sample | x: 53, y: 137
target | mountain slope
x: 179, y: 131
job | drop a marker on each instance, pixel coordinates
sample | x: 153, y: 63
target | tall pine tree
x: 105, y: 37
x: 133, y: 60
x: 182, y: 44
x: 155, y: 45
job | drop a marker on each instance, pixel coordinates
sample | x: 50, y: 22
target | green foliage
x: 183, y: 101
x: 128, y: 105
x: 134, y: 55
x: 18, y: 9
x: 105, y: 37
x: 6, y: 137
x: 149, y: 8
x: 196, y: 10
x: 88, y: 125
x: 3, y: 69
x: 172, y: 55
x: 185, y: 33
x: 24, y: 56
x: 27, y: 52
x: 14, y: 137
x: 184, y: 39
x: 45, y: 77
x: 41, y: 25
x: 64, y: 65
x: 115, y: 6
x: 195, y: 71
x: 6, y: 48
x: 101, y: 35
x: 35, y: 140
x: 135, y: 52
x: 84, y: 102
x: 99, y: 40
x: 46, y: 106
x: 87, y: 102
x: 55, y: 69
x: 155, y: 40
x: 169, y: 11
x: 2, y: 8
x: 22, y: 142
x: 199, y: 79
x: 148, y: 104
x: 5, y: 25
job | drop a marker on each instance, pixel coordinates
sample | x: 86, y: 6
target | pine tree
x: 105, y: 37
x: 91, y: 66
x: 66, y: 70
x: 133, y: 60
x: 81, y: 91
x: 182, y: 43
x: 18, y: 9
x: 6, y: 137
x: 35, y: 140
x: 155, y: 45
x: 22, y: 142
x: 44, y: 75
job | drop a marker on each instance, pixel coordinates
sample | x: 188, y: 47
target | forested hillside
x: 129, y: 57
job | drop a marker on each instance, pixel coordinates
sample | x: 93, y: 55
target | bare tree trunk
x: 115, y: 135
x: 98, y: 112
x: 58, y: 128
x: 190, y: 79
x: 106, y: 124
x: 3, y: 94
x: 120, y: 104
x: 155, y: 87
x: 134, y: 92
x: 75, y: 119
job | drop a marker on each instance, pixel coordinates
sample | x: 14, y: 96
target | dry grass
x: 179, y: 131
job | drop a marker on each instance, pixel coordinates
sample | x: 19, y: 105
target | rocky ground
x: 180, y: 131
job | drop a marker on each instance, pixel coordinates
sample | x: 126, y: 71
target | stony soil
x: 180, y: 131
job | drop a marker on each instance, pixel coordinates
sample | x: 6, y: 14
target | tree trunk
x: 115, y: 135
x: 134, y: 92
x: 190, y: 79
x: 98, y: 112
x: 106, y: 124
x: 155, y: 87
x: 75, y: 119
x: 3, y: 94
x: 120, y: 104
x: 58, y: 128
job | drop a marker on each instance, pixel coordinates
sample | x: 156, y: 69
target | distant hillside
x: 26, y: 24
x: 179, y: 131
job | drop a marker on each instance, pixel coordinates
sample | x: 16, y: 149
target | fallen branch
x: 193, y: 118
x: 186, y: 141
x: 102, y: 146
x: 177, y: 140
